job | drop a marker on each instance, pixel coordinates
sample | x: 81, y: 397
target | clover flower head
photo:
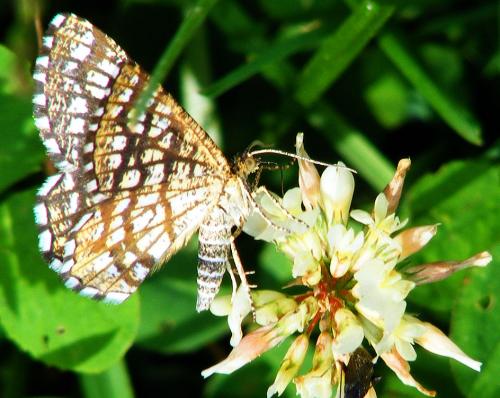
x: 354, y: 292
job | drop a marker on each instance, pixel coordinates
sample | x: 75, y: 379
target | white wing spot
x: 78, y: 105
x: 148, y: 200
x: 116, y: 237
x: 109, y: 68
x: 48, y: 41
x: 52, y: 145
x: 42, y: 61
x: 42, y: 123
x: 89, y: 292
x: 76, y: 126
x: 130, y: 179
x: 159, y: 248
x: 97, y: 78
x: 115, y: 297
x: 58, y: 20
x: 80, y: 51
x: 156, y: 174
x: 72, y: 282
x: 45, y: 240
x: 41, y: 216
x: 87, y: 38
x: 140, y: 271
x: 40, y: 99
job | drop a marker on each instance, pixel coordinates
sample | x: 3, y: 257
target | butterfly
x: 131, y: 189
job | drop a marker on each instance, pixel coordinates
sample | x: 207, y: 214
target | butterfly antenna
x: 295, y: 156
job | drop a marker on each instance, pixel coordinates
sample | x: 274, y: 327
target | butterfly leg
x: 242, y: 275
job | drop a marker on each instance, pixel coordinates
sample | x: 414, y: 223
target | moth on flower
x: 354, y: 290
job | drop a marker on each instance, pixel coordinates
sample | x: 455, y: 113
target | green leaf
x: 170, y: 322
x: 112, y: 383
x: 339, y: 49
x: 14, y: 72
x: 474, y: 328
x: 21, y: 151
x: 462, y: 196
x: 45, y: 319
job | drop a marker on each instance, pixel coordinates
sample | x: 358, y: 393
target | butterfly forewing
x: 128, y: 195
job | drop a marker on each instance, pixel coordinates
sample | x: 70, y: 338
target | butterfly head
x: 245, y: 164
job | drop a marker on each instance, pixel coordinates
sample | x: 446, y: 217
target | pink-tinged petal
x: 290, y: 365
x: 393, y: 190
x: 308, y: 176
x: 250, y: 347
x: 433, y: 272
x: 402, y: 369
x: 413, y: 239
x: 434, y: 340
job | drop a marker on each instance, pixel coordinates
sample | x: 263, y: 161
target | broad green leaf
x: 465, y: 198
x: 45, y: 319
x: 474, y: 328
x: 170, y: 322
x: 21, y: 152
x: 14, y: 73
x: 112, y: 383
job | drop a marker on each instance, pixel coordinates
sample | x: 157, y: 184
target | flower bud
x: 393, y: 190
x: 274, y: 310
x: 318, y: 382
x: 337, y: 187
x: 433, y: 272
x: 250, y: 347
x: 413, y: 239
x: 290, y: 365
x: 309, y: 179
x: 349, y: 334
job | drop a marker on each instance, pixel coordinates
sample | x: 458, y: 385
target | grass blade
x: 272, y: 54
x: 112, y: 383
x: 194, y: 18
x: 339, y: 49
x: 457, y: 117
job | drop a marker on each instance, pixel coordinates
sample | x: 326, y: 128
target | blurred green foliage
x: 369, y: 82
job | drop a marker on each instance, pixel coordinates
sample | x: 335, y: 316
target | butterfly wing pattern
x: 127, y: 195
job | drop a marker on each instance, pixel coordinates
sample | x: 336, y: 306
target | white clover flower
x: 355, y: 293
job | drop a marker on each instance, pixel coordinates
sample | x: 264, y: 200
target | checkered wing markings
x: 86, y: 86
x: 73, y: 75
x: 163, y: 145
x: 59, y: 207
x: 128, y: 236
